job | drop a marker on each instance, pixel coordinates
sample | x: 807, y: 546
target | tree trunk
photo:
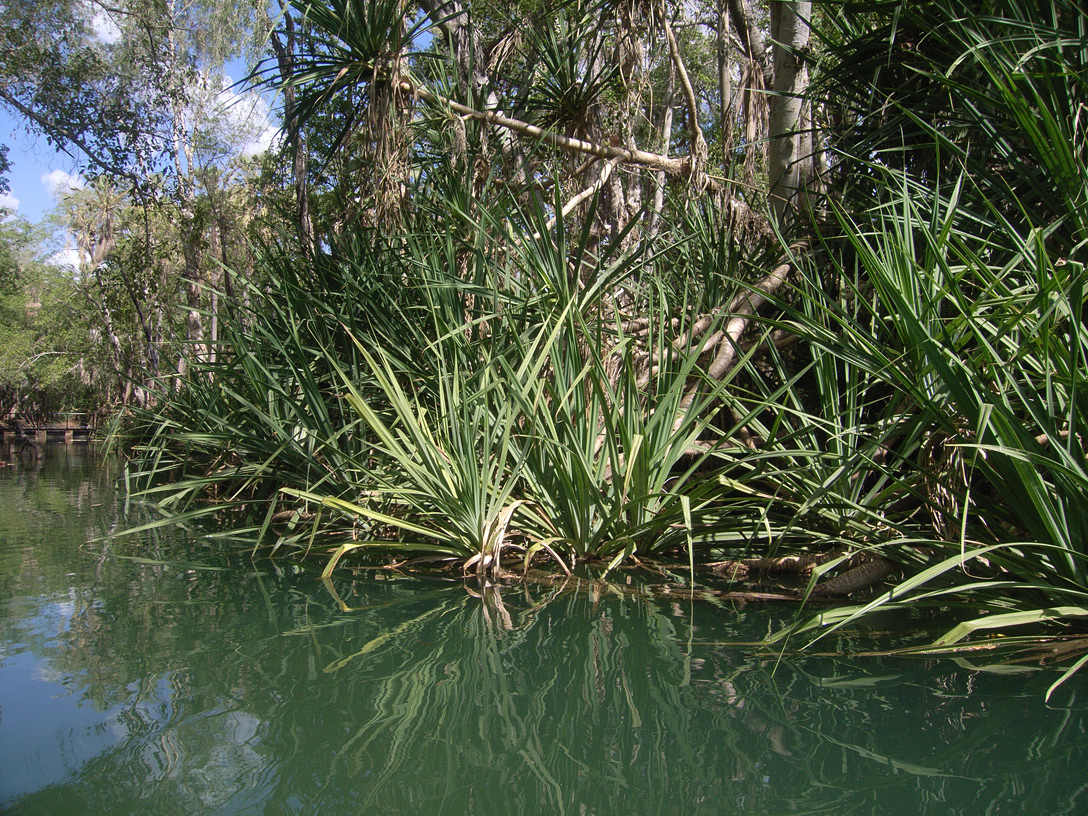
x: 666, y: 141
x: 749, y: 36
x: 285, y: 61
x: 725, y: 103
x: 790, y: 146
x: 116, y: 351
x: 697, y: 176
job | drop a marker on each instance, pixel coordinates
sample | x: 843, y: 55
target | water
x: 154, y: 675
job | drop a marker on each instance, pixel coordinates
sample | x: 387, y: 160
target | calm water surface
x: 154, y: 675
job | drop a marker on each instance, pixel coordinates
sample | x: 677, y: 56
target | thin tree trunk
x: 107, y: 326
x: 285, y: 62
x: 183, y: 166
x: 697, y: 176
x: 725, y: 92
x: 666, y: 142
x: 749, y: 36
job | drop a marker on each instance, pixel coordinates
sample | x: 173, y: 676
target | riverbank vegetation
x: 607, y: 283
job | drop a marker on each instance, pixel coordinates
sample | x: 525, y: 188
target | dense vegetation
x: 497, y: 308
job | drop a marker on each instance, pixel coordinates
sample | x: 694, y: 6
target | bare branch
x: 676, y: 167
x: 64, y: 138
x: 698, y: 161
x: 742, y: 316
x: 582, y: 196
x: 745, y: 307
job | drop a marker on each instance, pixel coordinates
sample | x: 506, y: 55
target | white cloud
x: 59, y: 184
x: 261, y: 143
x: 66, y: 258
x: 8, y: 201
x: 105, y: 30
x: 246, y: 116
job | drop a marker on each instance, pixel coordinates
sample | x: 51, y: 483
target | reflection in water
x: 158, y: 676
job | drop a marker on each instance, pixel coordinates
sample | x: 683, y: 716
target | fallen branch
x: 863, y: 575
x: 740, y: 568
x: 592, y: 189
x: 744, y: 309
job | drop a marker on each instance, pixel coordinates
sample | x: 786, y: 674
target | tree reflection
x: 224, y: 686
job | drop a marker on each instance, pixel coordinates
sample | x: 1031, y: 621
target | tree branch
x: 746, y: 305
x: 676, y: 167
x: 62, y: 136
x: 698, y: 160
x: 606, y: 171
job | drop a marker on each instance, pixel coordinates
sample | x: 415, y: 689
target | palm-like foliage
x: 355, y: 45
x: 431, y: 395
x: 494, y: 381
x: 572, y: 72
x: 971, y: 307
x: 932, y: 87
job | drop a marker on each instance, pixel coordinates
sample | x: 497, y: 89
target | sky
x: 36, y: 170
x: 39, y: 173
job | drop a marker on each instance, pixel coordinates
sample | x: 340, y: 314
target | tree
x: 790, y: 163
x: 134, y: 92
x: 48, y: 360
x: 575, y: 83
x: 65, y: 70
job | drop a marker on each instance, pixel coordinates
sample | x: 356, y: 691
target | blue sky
x: 38, y: 171
x: 32, y: 160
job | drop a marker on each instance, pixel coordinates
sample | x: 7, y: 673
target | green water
x: 156, y: 676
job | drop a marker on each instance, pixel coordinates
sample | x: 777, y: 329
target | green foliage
x: 959, y: 299
x: 359, y: 388
x: 5, y: 167
x: 45, y: 350
x: 355, y: 43
x: 572, y: 74
x: 496, y: 380
x: 79, y: 89
x: 934, y: 87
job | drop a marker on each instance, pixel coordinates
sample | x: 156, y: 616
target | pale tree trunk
x: 790, y: 146
x: 725, y: 106
x: 469, y: 56
x: 190, y: 237
x: 94, y: 225
x: 631, y: 58
x: 214, y: 343
x: 612, y: 210
x: 666, y: 141
x: 697, y: 175
x: 116, y: 351
x: 94, y: 248
x: 756, y: 78
x: 194, y: 322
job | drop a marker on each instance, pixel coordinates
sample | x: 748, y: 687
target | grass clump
x: 508, y: 410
